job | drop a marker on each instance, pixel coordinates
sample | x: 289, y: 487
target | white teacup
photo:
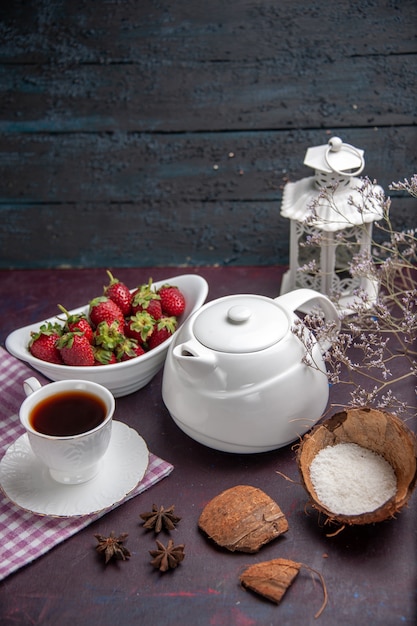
x: 69, y: 426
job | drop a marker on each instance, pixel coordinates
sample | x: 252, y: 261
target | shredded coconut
x: 349, y: 479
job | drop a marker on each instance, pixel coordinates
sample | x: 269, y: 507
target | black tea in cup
x: 68, y: 413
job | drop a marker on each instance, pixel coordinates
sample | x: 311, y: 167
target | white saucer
x: 27, y: 482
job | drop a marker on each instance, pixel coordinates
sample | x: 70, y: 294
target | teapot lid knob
x: 239, y: 314
x: 241, y: 323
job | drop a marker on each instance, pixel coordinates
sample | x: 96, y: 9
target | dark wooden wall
x: 160, y: 132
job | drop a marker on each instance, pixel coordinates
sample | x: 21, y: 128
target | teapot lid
x: 238, y: 324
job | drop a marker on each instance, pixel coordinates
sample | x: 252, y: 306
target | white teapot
x: 234, y: 377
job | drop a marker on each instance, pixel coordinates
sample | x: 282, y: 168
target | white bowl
x: 120, y: 378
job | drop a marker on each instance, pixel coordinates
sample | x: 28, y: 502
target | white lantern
x: 340, y: 229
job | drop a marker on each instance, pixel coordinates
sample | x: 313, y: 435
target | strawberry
x: 102, y: 356
x: 139, y: 326
x: 75, y: 349
x: 172, y: 300
x: 102, y: 309
x: 163, y: 329
x: 43, y: 344
x: 144, y: 298
x: 129, y: 349
x: 77, y: 321
x: 152, y: 306
x: 119, y: 293
x: 83, y: 326
x: 108, y: 336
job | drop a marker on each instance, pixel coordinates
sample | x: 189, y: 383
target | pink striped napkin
x: 25, y: 536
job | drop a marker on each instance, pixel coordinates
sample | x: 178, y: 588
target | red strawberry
x: 108, y: 336
x: 153, y: 307
x: 144, y: 298
x: 164, y: 328
x: 77, y: 321
x: 83, y: 326
x: 43, y: 343
x: 172, y: 300
x: 139, y: 326
x: 102, y: 309
x: 129, y: 349
x: 102, y: 356
x: 119, y: 293
x: 75, y: 349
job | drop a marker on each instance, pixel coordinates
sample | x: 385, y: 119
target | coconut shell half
x: 376, y: 430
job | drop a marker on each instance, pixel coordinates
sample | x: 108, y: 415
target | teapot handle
x: 304, y: 300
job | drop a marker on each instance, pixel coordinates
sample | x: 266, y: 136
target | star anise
x: 167, y: 557
x: 112, y: 547
x: 160, y: 518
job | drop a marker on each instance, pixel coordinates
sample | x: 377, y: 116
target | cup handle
x: 30, y: 385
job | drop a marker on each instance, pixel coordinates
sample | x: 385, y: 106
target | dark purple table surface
x: 370, y: 571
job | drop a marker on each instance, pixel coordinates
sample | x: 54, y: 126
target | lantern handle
x: 335, y: 144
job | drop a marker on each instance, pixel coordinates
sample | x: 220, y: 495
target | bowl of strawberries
x: 119, y: 339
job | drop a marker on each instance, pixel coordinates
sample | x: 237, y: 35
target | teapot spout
x: 195, y: 359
